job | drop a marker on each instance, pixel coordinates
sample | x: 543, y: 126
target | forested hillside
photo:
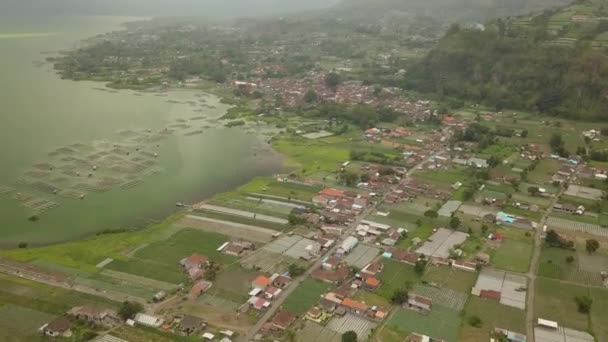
x: 555, y: 62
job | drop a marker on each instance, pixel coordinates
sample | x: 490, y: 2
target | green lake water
x: 40, y: 113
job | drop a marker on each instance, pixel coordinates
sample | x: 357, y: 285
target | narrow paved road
x: 534, y: 264
x: 276, y: 305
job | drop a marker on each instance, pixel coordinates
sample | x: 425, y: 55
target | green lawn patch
x: 44, y: 298
x: 599, y: 314
x: 395, y: 276
x: 555, y: 301
x: 439, y: 323
x: 554, y: 264
x: 513, y: 256
x: 160, y: 260
x: 233, y: 283
x: 306, y: 296
x: 450, y: 278
x: 312, y: 155
x: 21, y: 322
x: 493, y: 315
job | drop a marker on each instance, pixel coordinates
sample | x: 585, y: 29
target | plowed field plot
x: 234, y: 229
x: 563, y: 224
x: 351, y: 322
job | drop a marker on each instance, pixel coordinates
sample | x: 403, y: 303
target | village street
x: 534, y: 264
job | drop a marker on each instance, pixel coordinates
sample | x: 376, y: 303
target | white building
x: 348, y: 245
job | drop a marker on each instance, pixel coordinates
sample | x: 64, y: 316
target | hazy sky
x: 159, y: 7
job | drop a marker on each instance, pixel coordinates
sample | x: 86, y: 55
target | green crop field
x: 599, y: 314
x: 182, y: 244
x: 544, y: 171
x: 439, y: 323
x: 233, y: 283
x: 395, y: 276
x: 555, y: 301
x: 450, y: 278
x: 311, y: 154
x: 239, y: 219
x: 85, y: 254
x: 513, y: 256
x: 160, y: 260
x: 305, y: 296
x: 493, y: 315
x: 44, y: 298
x: 22, y: 323
x: 553, y: 264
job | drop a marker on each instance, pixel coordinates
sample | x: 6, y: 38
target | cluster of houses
x: 339, y: 206
x: 195, y: 267
x: 91, y: 314
x: 292, y: 93
x: 266, y: 289
x: 340, y: 301
x: 411, y: 188
x: 374, y: 232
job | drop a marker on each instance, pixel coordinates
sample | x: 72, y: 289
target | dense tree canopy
x: 520, y: 72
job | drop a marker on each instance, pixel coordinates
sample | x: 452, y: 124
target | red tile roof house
x: 200, y: 287
x: 59, y: 327
x: 372, y: 268
x: 331, y: 263
x: 354, y: 306
x: 272, y: 292
x: 281, y: 281
x: 419, y: 302
x: 404, y: 256
x: 194, y: 261
x: 332, y: 194
x: 320, y: 200
x: 259, y: 303
x: 234, y: 249
x: 95, y: 314
x: 335, y: 277
x: 195, y: 273
x: 261, y: 282
x: 371, y: 283
x: 283, y: 319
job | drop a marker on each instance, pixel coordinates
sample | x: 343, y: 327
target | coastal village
x: 422, y: 248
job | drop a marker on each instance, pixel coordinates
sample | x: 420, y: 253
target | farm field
x: 599, y: 314
x: 450, y: 278
x: 372, y: 299
x: 87, y: 253
x: 305, y: 296
x: 307, y: 153
x: 395, y: 276
x: 493, y: 315
x: 43, y: 297
x: 554, y: 264
x: 543, y: 172
x: 233, y: 283
x: 160, y: 260
x: 555, y: 301
x: 513, y: 255
x: 20, y: 323
x: 236, y: 230
x: 239, y: 219
x: 439, y: 323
